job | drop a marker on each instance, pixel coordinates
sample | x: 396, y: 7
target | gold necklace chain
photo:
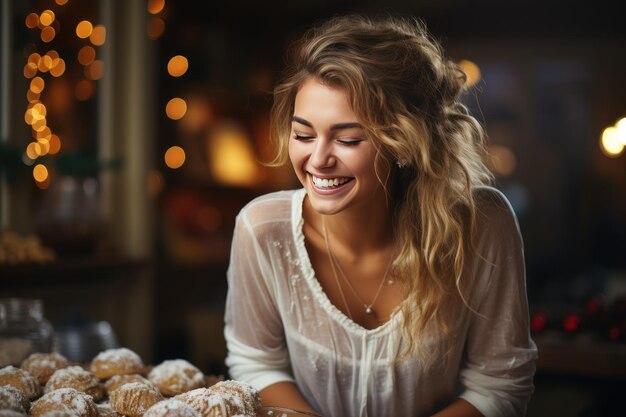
x: 332, y: 265
x: 334, y: 262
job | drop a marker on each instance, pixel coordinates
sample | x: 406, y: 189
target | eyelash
x: 343, y: 142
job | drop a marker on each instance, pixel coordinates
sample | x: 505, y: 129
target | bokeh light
x: 46, y: 18
x: 232, y: 157
x: 32, y: 150
x: 37, y: 85
x: 156, y: 27
x: 176, y: 108
x: 177, y: 66
x: 155, y: 6
x: 32, y: 20
x: 55, y: 144
x: 84, y: 29
x: 40, y: 173
x: 610, y: 142
x: 98, y: 35
x: 61, y: 2
x: 86, y: 55
x: 47, y: 34
x: 95, y: 70
x: 59, y: 68
x: 30, y: 70
x: 174, y: 157
x: 471, y: 71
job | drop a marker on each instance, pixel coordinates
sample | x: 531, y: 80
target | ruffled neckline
x: 297, y: 222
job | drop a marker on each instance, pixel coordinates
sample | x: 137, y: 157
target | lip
x: 331, y: 191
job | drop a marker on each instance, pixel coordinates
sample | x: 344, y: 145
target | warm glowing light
x: 37, y: 85
x: 32, y: 97
x: 502, y: 160
x: 30, y: 70
x: 199, y: 114
x: 53, y: 54
x: 610, y: 143
x: 61, y: 2
x: 45, y: 63
x: 34, y: 58
x: 32, y: 150
x: 84, y: 90
x: 39, y: 125
x: 45, y: 134
x: 45, y: 146
x: 155, y: 6
x: 86, y: 55
x: 471, y: 71
x: 59, y: 67
x: 32, y: 20
x: 47, y: 34
x: 156, y: 27
x: 55, y: 144
x: 46, y: 18
x: 28, y: 117
x: 95, y: 70
x: 84, y: 29
x: 232, y: 157
x: 177, y: 66
x: 176, y: 108
x: 39, y: 111
x: 40, y: 173
x: 621, y: 130
x: 155, y: 183
x: 98, y: 35
x: 175, y: 157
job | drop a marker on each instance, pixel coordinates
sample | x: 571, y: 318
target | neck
x: 357, y: 231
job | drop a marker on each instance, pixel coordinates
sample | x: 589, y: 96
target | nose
x: 322, y: 155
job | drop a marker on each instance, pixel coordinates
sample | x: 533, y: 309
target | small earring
x: 401, y: 162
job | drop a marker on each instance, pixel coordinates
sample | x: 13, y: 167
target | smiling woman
x: 393, y: 282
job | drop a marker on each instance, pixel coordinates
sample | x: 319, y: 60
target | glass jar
x: 23, y: 330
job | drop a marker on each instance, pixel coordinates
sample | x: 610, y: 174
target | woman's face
x: 329, y: 151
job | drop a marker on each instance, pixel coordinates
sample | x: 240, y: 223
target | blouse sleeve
x: 257, y: 353
x: 500, y: 355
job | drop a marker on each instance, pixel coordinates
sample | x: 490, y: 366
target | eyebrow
x: 338, y: 126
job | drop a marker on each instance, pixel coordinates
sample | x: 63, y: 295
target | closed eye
x: 349, y: 142
x: 302, y: 137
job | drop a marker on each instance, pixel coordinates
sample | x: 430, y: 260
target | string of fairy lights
x: 40, y: 67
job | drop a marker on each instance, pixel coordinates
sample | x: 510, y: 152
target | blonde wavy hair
x: 406, y: 94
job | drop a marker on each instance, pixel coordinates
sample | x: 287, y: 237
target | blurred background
x: 131, y: 133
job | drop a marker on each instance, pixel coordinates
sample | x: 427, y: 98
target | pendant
x: 369, y: 311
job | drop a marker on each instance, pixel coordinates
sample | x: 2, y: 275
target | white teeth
x: 328, y: 183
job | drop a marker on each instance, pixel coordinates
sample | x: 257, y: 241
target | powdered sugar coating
x: 22, y: 380
x: 241, y: 396
x: 118, y: 361
x: 176, y: 376
x: 78, y: 378
x: 12, y: 398
x: 43, y: 365
x: 226, y: 398
x: 171, y: 408
x: 205, y: 403
x: 66, y: 400
x: 134, y: 399
x: 117, y: 381
x: 105, y: 410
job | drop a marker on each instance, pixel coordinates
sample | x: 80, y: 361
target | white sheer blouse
x: 281, y: 326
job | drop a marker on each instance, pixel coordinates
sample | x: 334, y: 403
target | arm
x: 254, y: 332
x: 285, y: 394
x: 500, y: 356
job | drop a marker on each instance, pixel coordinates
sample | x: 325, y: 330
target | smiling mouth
x: 329, y: 183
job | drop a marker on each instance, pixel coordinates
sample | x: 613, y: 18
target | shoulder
x: 494, y: 212
x: 267, y: 211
